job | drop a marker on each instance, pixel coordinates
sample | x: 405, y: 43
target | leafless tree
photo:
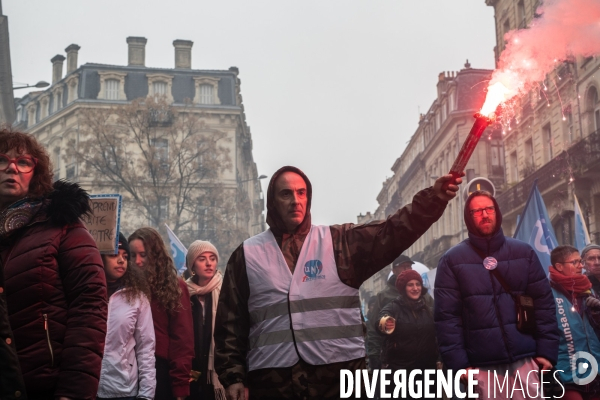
x: 165, y: 161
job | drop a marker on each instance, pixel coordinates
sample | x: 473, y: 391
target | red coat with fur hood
x: 55, y: 291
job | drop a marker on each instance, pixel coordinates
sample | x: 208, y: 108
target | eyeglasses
x: 24, y: 164
x: 479, y: 211
x: 574, y: 262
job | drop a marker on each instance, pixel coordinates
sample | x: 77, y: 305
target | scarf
x: 576, y: 284
x: 213, y: 287
x: 18, y: 214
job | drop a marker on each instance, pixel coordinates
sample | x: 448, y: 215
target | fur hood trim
x: 68, y: 202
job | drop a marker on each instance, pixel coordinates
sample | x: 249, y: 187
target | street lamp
x: 254, y: 179
x: 40, y: 84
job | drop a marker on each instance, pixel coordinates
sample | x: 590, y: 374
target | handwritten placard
x: 104, y: 222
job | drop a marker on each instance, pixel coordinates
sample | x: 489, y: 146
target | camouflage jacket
x: 359, y: 250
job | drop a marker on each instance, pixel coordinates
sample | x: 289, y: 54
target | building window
x: 57, y: 101
x: 159, y: 211
x: 112, y: 89
x: 206, y: 94
x: 161, y: 151
x: 71, y: 172
x: 159, y: 88
x: 564, y: 228
x: 497, y: 157
x: 593, y: 110
x: 521, y: 15
x: 506, y: 27
x: 31, y: 119
x: 163, y: 206
x: 56, y: 163
x: 206, y: 220
x: 547, y: 138
x: 514, y: 167
x: 452, y: 101
x: 529, y: 153
x: 110, y: 159
x: 207, y: 89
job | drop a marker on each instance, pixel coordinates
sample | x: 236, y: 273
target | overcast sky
x: 333, y: 87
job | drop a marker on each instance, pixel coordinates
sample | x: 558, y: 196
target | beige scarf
x: 214, y: 287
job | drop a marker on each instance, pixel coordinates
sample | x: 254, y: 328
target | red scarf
x: 576, y: 284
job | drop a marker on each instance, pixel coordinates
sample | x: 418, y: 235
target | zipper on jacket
x: 48, y: 339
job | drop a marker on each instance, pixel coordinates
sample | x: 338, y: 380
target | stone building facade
x: 54, y: 117
x: 555, y: 137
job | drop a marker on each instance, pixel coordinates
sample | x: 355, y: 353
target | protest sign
x: 104, y: 222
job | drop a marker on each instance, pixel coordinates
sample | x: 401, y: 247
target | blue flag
x: 178, y: 251
x: 534, y: 227
x: 582, y: 237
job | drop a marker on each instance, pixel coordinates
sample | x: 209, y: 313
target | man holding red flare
x: 288, y: 318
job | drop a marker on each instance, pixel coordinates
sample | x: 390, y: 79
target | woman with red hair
x: 53, y: 279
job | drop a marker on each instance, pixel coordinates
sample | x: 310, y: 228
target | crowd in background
x: 79, y: 325
x: 76, y: 324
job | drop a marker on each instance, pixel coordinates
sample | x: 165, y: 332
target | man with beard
x: 475, y: 316
x: 288, y: 318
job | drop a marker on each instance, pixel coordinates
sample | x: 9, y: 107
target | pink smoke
x: 566, y: 29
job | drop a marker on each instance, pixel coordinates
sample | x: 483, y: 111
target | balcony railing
x: 575, y: 161
x: 160, y: 117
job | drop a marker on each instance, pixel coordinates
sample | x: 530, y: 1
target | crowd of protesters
x: 284, y: 319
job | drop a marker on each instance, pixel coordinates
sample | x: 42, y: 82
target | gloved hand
x: 593, y: 303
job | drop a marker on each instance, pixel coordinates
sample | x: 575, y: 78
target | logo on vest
x: 313, y: 270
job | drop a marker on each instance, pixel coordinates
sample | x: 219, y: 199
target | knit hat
x: 196, y: 248
x: 123, y: 243
x: 405, y: 277
x: 588, y: 248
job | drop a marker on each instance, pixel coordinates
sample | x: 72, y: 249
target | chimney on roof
x: 72, y: 52
x: 57, y: 64
x: 136, y: 50
x: 183, y: 53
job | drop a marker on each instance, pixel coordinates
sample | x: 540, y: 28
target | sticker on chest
x: 313, y: 270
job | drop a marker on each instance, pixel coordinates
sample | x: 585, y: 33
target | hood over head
x: 471, y: 227
x: 274, y: 220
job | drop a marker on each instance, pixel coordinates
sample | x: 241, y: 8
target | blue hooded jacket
x: 475, y: 317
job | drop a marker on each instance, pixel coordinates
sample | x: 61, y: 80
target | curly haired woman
x: 171, y: 313
x: 128, y: 365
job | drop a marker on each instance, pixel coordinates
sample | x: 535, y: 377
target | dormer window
x: 160, y: 85
x: 112, y: 85
x: 207, y: 90
x: 206, y: 94
x: 159, y: 88
x: 112, y: 89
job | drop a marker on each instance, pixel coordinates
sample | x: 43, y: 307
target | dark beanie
x: 123, y: 243
x: 405, y: 277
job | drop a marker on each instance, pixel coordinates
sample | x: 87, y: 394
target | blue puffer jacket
x: 475, y: 317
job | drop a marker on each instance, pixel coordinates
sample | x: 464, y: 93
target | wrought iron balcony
x: 580, y: 158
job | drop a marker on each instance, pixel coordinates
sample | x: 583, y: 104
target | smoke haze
x: 567, y: 28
